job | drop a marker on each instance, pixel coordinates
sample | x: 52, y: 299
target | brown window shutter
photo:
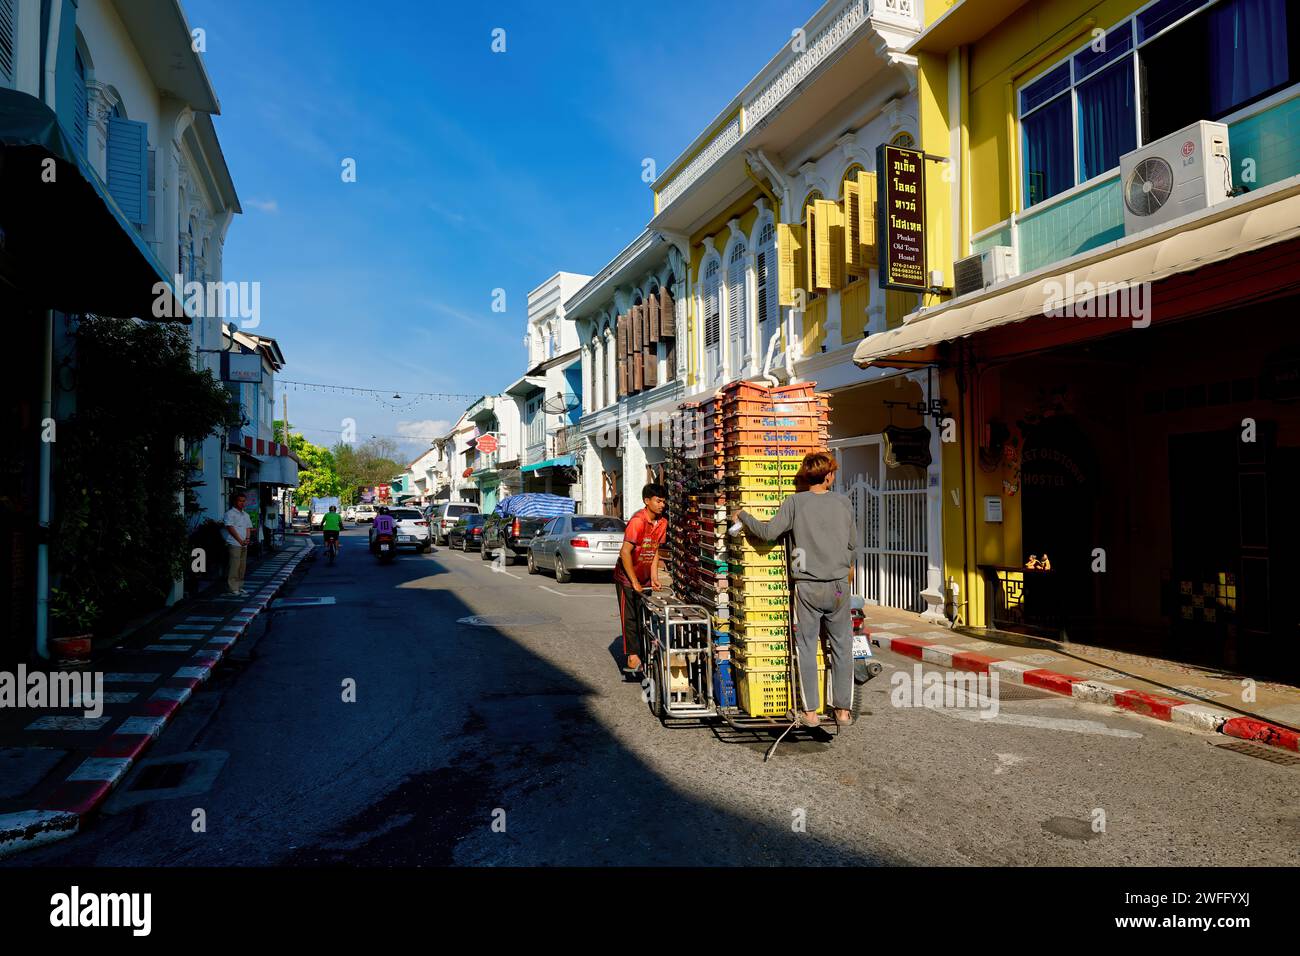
x: 620, y: 332
x: 636, y: 372
x: 622, y: 376
x: 671, y: 359
x: 652, y: 308
x: 638, y: 329
x: 667, y: 315
x: 651, y: 367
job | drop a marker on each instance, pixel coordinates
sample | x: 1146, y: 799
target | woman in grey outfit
x: 821, y: 560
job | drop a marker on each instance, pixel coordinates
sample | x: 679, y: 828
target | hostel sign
x: 900, y: 184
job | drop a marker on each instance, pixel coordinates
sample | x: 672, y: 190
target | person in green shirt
x: 331, y: 524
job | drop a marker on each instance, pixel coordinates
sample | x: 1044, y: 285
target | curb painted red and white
x: 1169, y: 709
x: 84, y: 791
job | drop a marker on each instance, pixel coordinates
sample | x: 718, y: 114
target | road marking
x: 553, y: 591
x: 1069, y: 724
x: 507, y: 573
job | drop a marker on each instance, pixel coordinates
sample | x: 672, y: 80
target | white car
x: 350, y: 513
x: 444, y: 516
x: 364, y: 513
x: 412, y: 529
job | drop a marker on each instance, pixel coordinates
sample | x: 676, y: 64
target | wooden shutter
x: 620, y: 335
x: 670, y: 358
x: 854, y: 252
x: 128, y: 181
x: 651, y: 368
x: 867, y: 219
x: 830, y: 245
x: 652, y: 320
x: 667, y: 315
x: 789, y: 253
x: 810, y: 249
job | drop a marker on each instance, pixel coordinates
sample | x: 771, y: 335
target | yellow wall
x: 989, y: 72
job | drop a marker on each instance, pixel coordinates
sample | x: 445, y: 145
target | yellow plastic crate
x: 763, y: 465
x: 766, y: 692
x: 760, y: 655
x: 747, y: 545
x: 761, y: 630
x: 758, y: 571
x: 774, y: 481
x: 748, y: 615
x: 769, y: 587
x: 737, y: 558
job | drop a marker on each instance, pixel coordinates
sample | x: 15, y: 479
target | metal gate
x: 889, y: 533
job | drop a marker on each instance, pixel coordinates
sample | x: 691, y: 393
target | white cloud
x: 427, y: 428
x: 265, y: 205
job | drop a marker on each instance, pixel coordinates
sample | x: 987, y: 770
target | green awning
x: 65, y: 244
x: 562, y: 462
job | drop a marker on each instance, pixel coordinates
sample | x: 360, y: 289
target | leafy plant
x: 75, y: 612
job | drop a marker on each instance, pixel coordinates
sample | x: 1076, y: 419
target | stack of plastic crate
x: 683, y: 521
x: 711, y: 502
x: 766, y: 433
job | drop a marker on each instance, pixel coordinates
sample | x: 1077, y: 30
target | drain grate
x: 161, y: 776
x: 1270, y: 754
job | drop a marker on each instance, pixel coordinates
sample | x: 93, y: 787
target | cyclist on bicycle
x: 331, y: 524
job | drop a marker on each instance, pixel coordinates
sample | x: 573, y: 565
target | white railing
x: 726, y: 138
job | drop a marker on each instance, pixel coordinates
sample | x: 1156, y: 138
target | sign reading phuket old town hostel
x: 900, y: 185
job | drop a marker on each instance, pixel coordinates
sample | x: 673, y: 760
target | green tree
x: 318, y: 475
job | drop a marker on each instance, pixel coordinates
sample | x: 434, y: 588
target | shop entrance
x: 1058, y: 479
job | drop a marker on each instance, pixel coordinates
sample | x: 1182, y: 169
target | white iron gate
x: 889, y: 534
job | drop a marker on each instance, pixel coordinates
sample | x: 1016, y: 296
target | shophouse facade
x: 1119, y: 360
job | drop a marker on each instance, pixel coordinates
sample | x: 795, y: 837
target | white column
x: 586, y: 379
x: 611, y: 368
x: 933, y: 593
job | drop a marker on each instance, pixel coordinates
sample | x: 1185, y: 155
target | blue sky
x: 475, y: 171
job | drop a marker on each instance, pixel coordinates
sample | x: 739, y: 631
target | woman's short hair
x: 816, y: 466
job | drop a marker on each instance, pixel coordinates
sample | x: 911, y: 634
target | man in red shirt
x: 638, y: 566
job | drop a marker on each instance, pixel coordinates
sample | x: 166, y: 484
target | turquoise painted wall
x: 1096, y: 216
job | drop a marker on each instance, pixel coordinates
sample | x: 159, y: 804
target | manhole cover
x: 1271, y: 754
x: 165, y: 778
x: 1071, y: 829
x: 1009, y: 691
x: 161, y: 776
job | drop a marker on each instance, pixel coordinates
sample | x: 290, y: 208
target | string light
x: 378, y: 394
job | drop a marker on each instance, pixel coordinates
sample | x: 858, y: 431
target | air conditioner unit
x: 1176, y: 175
x: 993, y: 265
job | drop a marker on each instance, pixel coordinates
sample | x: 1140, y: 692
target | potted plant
x: 75, y: 616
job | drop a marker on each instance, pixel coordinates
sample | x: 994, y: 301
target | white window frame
x: 766, y: 247
x: 710, y: 365
x: 737, y: 276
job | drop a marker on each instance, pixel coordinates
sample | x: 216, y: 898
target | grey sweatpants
x: 815, y: 601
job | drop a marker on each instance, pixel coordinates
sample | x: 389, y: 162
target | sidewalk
x: 1210, y: 699
x: 58, y: 766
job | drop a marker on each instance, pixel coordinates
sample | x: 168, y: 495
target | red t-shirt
x: 645, y: 534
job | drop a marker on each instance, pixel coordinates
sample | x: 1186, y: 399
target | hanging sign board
x: 486, y: 444
x: 907, y: 446
x: 241, y: 367
x: 900, y: 224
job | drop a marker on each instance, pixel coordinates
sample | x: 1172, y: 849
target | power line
x: 338, y: 431
x: 356, y: 389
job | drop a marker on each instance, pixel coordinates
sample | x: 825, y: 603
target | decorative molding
x: 726, y: 138
x: 851, y: 16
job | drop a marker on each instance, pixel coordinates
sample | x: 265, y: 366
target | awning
x: 65, y: 244
x: 278, y: 470
x: 564, y: 461
x: 1263, y: 218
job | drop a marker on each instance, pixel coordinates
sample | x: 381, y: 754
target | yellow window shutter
x: 810, y: 248
x: 790, y: 253
x: 830, y: 244
x: 867, y: 218
x: 854, y: 257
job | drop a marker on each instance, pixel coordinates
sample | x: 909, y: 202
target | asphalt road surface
x: 491, y: 726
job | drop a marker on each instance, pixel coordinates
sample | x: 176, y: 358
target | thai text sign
x: 900, y: 182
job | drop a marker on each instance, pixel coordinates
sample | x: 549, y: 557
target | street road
x: 521, y: 717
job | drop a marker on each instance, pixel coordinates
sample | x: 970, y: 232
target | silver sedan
x: 572, y: 543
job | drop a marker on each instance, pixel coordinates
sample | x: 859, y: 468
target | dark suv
x: 467, y: 532
x: 512, y: 533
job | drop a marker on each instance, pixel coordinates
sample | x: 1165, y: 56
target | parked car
x: 444, y: 516
x: 467, y: 532
x: 365, y: 514
x: 350, y: 513
x: 511, y: 532
x: 412, y: 529
x: 572, y: 543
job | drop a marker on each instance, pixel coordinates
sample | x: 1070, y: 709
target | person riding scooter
x: 384, y: 541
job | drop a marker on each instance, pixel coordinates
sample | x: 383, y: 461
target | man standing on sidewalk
x: 238, y: 528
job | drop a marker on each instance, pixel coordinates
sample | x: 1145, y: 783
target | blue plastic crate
x: 724, y: 688
x: 721, y: 637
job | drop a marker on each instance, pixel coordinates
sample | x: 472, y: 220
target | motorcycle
x: 385, y: 547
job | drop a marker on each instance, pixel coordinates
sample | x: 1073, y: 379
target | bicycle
x: 332, y: 548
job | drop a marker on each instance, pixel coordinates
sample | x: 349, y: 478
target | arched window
x: 737, y: 311
x: 766, y: 274
x: 712, y: 321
